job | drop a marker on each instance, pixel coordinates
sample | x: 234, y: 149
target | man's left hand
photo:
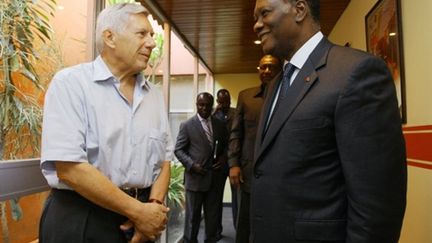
x: 235, y: 176
x: 217, y: 164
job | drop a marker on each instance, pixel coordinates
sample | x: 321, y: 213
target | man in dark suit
x: 242, y: 140
x: 330, y: 162
x: 201, y: 147
x: 225, y: 113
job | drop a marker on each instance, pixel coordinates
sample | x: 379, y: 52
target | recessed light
x: 257, y: 42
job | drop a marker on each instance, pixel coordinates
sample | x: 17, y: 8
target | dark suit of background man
x: 225, y: 113
x: 330, y: 161
x: 201, y: 147
x: 242, y: 140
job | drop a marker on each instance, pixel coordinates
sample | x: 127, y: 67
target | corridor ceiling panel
x: 220, y: 31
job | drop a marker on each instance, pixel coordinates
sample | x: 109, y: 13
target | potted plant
x: 176, y: 198
x: 22, y: 23
x: 176, y: 187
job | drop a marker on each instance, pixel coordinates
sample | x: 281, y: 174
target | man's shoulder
x: 77, y: 68
x: 343, y: 54
x: 76, y: 73
x: 190, y: 120
x: 250, y: 92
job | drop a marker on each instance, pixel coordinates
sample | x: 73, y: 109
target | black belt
x: 139, y: 193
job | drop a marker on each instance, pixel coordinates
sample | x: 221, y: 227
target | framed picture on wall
x: 384, y: 39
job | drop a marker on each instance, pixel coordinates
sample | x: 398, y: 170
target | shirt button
x: 134, y: 172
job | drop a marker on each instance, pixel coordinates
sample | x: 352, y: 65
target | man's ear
x: 109, y: 38
x: 302, y: 10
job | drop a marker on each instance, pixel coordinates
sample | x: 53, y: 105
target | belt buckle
x: 131, y: 191
x: 135, y: 190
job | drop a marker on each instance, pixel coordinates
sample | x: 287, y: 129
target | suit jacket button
x: 258, y: 174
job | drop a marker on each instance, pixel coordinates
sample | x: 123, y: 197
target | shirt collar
x: 102, y: 73
x: 202, y: 119
x: 300, y: 57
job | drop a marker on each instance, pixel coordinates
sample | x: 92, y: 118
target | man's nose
x: 258, y: 25
x: 150, y: 43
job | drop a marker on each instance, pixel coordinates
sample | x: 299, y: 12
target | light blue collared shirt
x: 86, y: 119
x: 298, y: 60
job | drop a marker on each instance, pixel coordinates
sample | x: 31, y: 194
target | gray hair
x: 115, y: 18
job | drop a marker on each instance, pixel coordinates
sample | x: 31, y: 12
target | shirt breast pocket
x: 156, y: 144
x: 151, y: 151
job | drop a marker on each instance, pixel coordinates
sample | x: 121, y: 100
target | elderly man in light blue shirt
x: 106, y: 144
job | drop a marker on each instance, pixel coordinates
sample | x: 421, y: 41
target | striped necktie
x: 208, y: 131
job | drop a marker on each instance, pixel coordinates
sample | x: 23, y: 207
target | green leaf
x: 22, y: 22
x: 14, y: 63
x: 28, y: 74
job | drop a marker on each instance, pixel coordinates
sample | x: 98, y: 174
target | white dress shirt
x: 87, y: 120
x: 298, y: 60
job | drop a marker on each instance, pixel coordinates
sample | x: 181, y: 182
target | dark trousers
x: 70, y: 218
x: 243, y: 223
x: 211, y: 202
x: 234, y: 209
x: 220, y: 227
x: 234, y: 204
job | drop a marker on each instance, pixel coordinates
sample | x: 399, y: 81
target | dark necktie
x: 288, y: 72
x: 285, y: 83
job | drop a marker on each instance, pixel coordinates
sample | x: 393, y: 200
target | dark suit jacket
x: 243, y: 132
x: 332, y: 164
x: 227, y: 120
x: 192, y: 147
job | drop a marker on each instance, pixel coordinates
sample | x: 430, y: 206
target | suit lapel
x: 214, y: 128
x: 197, y: 124
x: 296, y: 92
x: 270, y: 94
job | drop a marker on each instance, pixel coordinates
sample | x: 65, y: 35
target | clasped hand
x: 217, y: 164
x: 197, y: 168
x: 149, y: 224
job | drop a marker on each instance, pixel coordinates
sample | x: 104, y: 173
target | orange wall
x: 26, y: 229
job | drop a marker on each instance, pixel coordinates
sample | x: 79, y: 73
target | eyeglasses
x: 270, y: 67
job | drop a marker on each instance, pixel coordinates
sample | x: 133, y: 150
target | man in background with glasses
x: 242, y: 141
